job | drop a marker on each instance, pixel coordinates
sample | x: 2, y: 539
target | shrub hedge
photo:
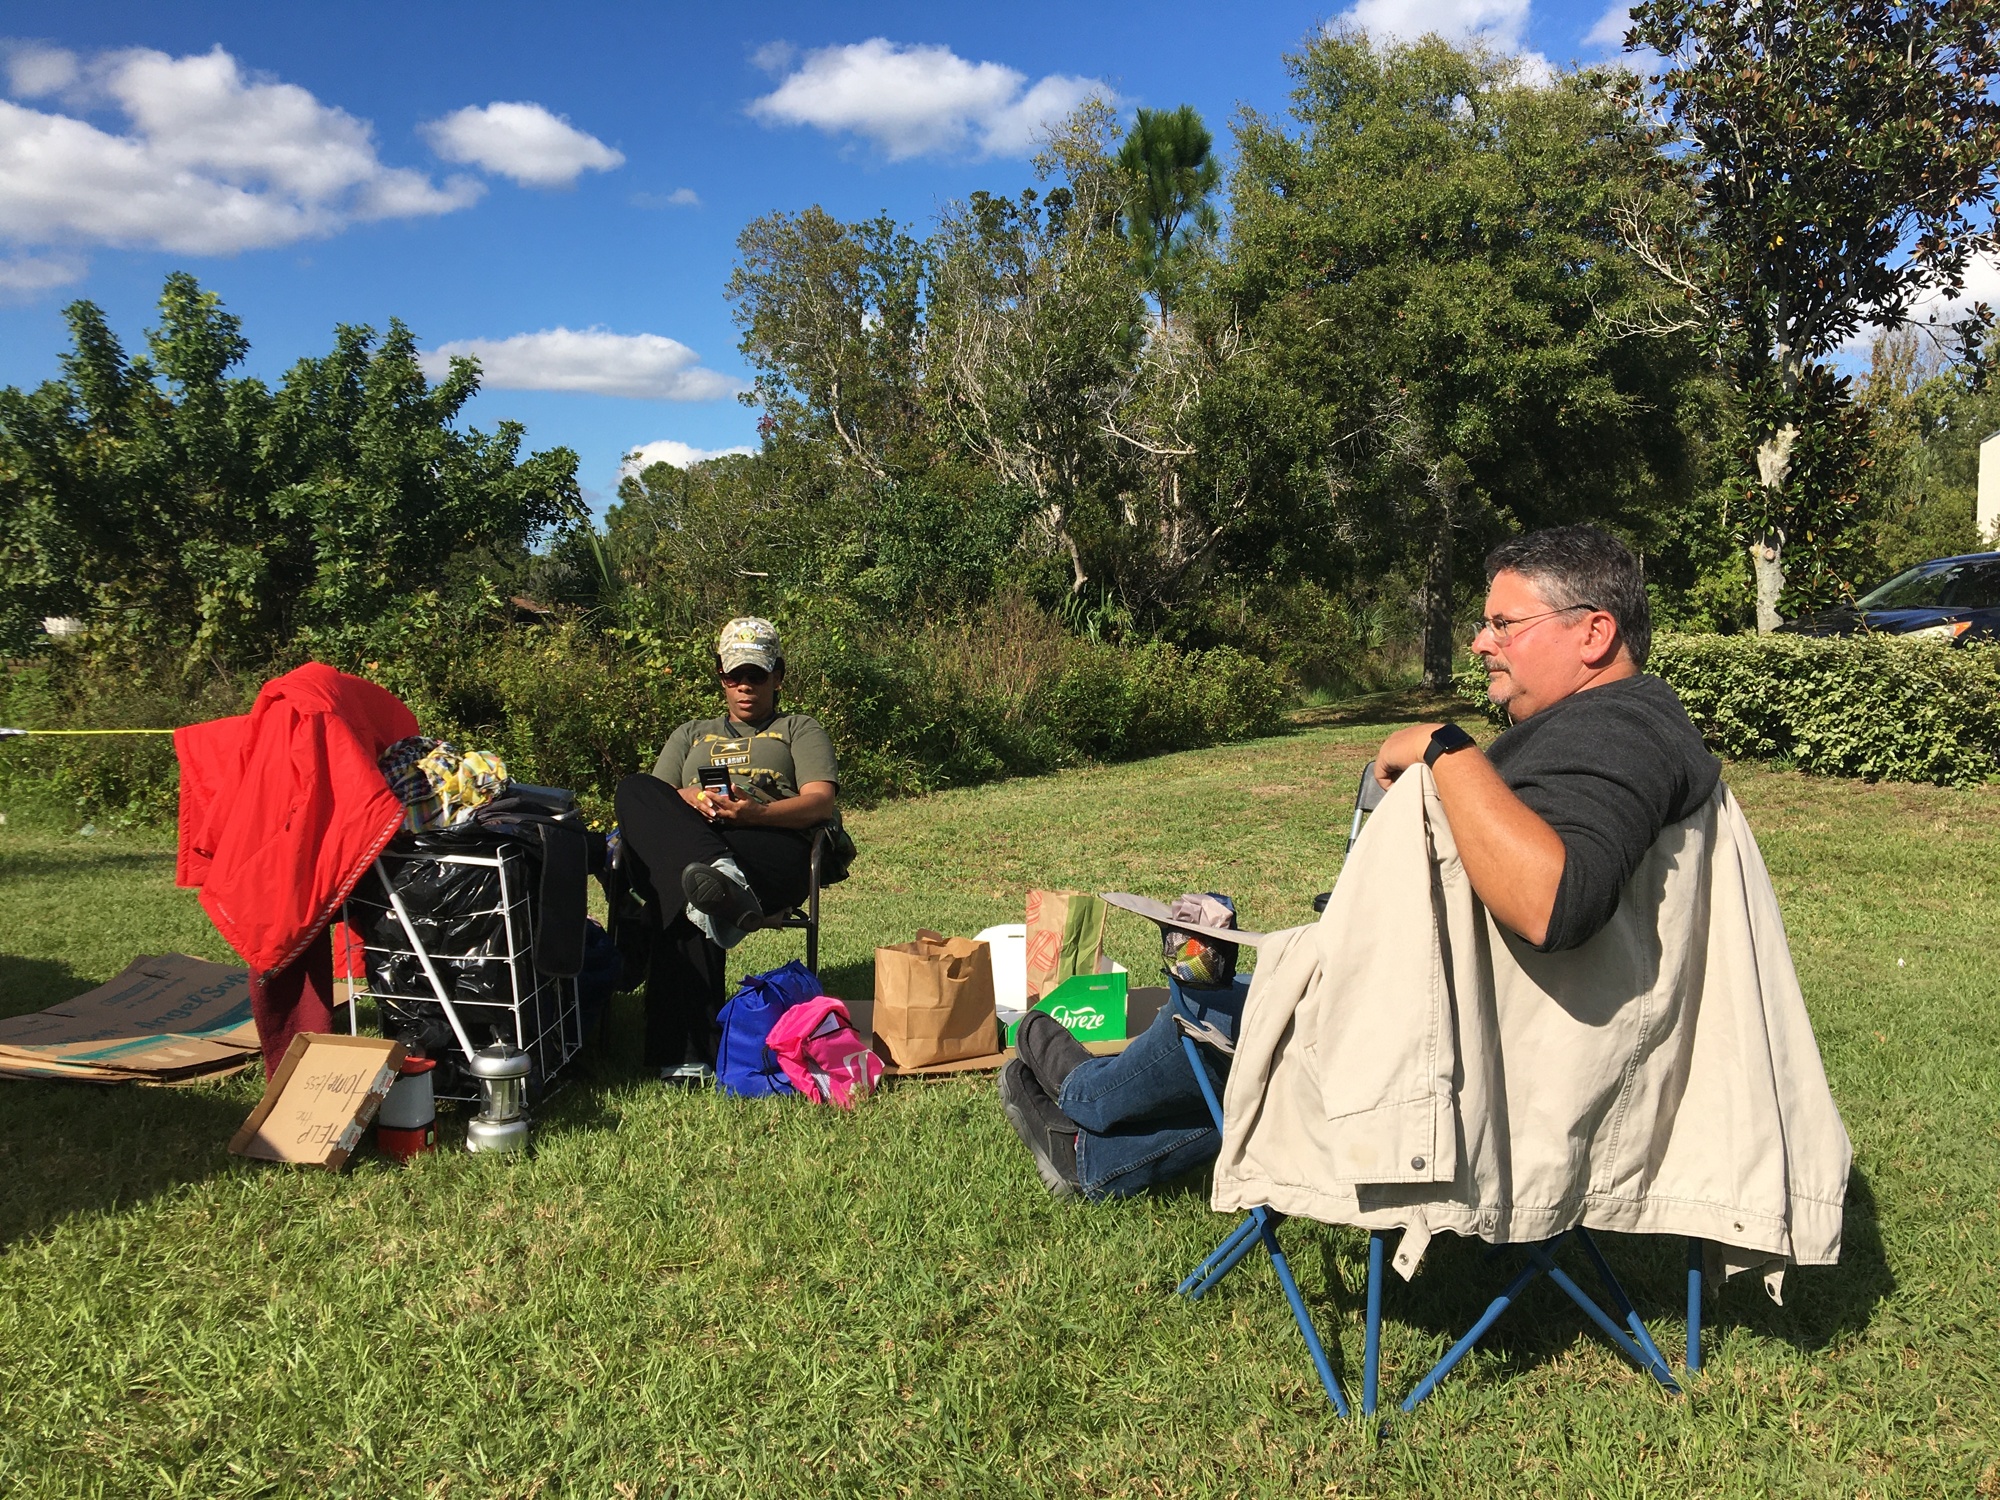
x: 1877, y: 707
x: 1001, y: 693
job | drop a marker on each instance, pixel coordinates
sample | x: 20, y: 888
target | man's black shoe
x: 1048, y: 1133
x: 1049, y: 1050
x: 710, y: 890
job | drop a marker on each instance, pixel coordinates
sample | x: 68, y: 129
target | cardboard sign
x: 166, y: 1019
x: 325, y: 1094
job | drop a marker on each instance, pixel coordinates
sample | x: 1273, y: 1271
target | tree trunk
x: 1767, y: 566
x: 1767, y: 552
x: 1438, y: 645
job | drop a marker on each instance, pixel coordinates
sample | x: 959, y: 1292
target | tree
x: 1170, y: 171
x: 1035, y: 329
x: 1927, y: 417
x: 1433, y: 295
x: 177, y: 507
x: 1842, y: 159
x: 832, y: 320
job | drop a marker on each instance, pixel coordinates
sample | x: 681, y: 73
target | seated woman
x: 715, y: 862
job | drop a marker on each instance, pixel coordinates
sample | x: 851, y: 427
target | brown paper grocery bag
x: 1065, y: 938
x: 934, y: 1000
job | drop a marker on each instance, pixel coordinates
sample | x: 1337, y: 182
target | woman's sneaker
x: 717, y: 894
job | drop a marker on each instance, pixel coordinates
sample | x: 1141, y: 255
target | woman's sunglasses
x: 747, y: 676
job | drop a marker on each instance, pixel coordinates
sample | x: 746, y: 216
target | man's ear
x: 1601, y: 640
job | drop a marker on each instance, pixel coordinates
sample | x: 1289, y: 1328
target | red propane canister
x: 407, y: 1123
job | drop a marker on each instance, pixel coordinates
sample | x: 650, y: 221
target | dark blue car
x: 1955, y: 599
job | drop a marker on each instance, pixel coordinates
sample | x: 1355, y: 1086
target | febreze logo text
x: 1079, y: 1017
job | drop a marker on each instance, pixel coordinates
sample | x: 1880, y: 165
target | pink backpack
x: 822, y: 1054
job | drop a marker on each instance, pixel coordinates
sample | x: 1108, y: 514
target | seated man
x: 1550, y: 822
x: 718, y: 837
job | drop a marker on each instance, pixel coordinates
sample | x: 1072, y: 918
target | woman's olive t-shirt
x: 767, y: 762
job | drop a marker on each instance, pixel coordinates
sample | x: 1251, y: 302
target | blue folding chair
x: 1259, y: 1226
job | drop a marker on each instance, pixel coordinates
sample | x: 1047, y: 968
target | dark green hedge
x: 1876, y: 707
x: 1004, y: 693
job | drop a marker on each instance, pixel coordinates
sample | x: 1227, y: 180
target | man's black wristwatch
x: 1445, y: 739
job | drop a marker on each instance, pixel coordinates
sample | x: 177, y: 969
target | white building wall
x: 1988, y: 513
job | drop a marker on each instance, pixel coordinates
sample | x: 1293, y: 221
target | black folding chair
x: 805, y: 917
x: 802, y: 918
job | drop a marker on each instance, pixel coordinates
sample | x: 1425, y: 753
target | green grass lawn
x: 684, y: 1294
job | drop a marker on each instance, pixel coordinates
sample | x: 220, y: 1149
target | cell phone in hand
x: 715, y: 781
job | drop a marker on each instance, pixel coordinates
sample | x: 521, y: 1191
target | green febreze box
x: 1092, y: 1006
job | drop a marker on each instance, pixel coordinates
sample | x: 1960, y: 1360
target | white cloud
x: 212, y: 161
x: 678, y: 198
x: 646, y: 366
x: 916, y: 100
x: 34, y: 70
x: 25, y: 275
x: 1934, y: 313
x: 668, y: 451
x: 522, y: 141
x: 774, y: 57
x: 1500, y: 24
x: 1608, y: 35
x: 1606, y: 40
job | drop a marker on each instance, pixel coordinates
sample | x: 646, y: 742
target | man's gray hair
x: 1573, y: 566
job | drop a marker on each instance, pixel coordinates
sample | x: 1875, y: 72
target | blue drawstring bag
x: 744, y: 1065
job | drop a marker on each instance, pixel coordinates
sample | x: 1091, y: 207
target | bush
x: 114, y: 780
x: 1875, y: 707
x: 1870, y: 706
x: 1001, y: 692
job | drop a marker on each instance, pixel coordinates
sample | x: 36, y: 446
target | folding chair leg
x: 1229, y: 1262
x: 1694, y: 1304
x: 1654, y: 1361
x: 1203, y: 1276
x: 1655, y: 1367
x: 1371, y: 1348
x: 1473, y: 1335
x: 1300, y: 1314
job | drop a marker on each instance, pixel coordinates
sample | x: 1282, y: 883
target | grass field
x: 687, y: 1295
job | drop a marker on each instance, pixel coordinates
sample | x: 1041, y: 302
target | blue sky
x: 560, y: 187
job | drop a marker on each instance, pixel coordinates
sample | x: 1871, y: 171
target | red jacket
x: 283, y: 809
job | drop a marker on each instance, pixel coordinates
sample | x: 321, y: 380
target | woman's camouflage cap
x: 749, y: 641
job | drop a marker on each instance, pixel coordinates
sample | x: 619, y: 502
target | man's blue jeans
x: 1141, y: 1116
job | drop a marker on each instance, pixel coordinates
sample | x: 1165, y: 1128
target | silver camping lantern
x: 502, y: 1125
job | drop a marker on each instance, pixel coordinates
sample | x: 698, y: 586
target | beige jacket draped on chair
x: 1407, y: 1063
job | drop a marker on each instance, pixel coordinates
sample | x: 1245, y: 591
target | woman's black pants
x: 662, y: 836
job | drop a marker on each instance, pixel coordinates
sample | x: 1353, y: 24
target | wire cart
x: 448, y: 945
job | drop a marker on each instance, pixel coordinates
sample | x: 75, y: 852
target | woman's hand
x: 695, y: 798
x: 734, y: 812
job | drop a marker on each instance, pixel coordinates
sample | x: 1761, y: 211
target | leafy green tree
x: 1842, y: 156
x: 1169, y: 163
x: 1436, y: 308
x: 832, y: 320
x: 176, y: 507
x: 1035, y: 331
x: 1928, y: 417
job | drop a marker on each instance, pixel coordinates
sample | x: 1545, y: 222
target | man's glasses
x: 1503, y: 628
x: 747, y: 676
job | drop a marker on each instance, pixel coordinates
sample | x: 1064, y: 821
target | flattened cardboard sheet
x: 325, y: 1094
x: 862, y: 1013
x: 166, y: 1019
